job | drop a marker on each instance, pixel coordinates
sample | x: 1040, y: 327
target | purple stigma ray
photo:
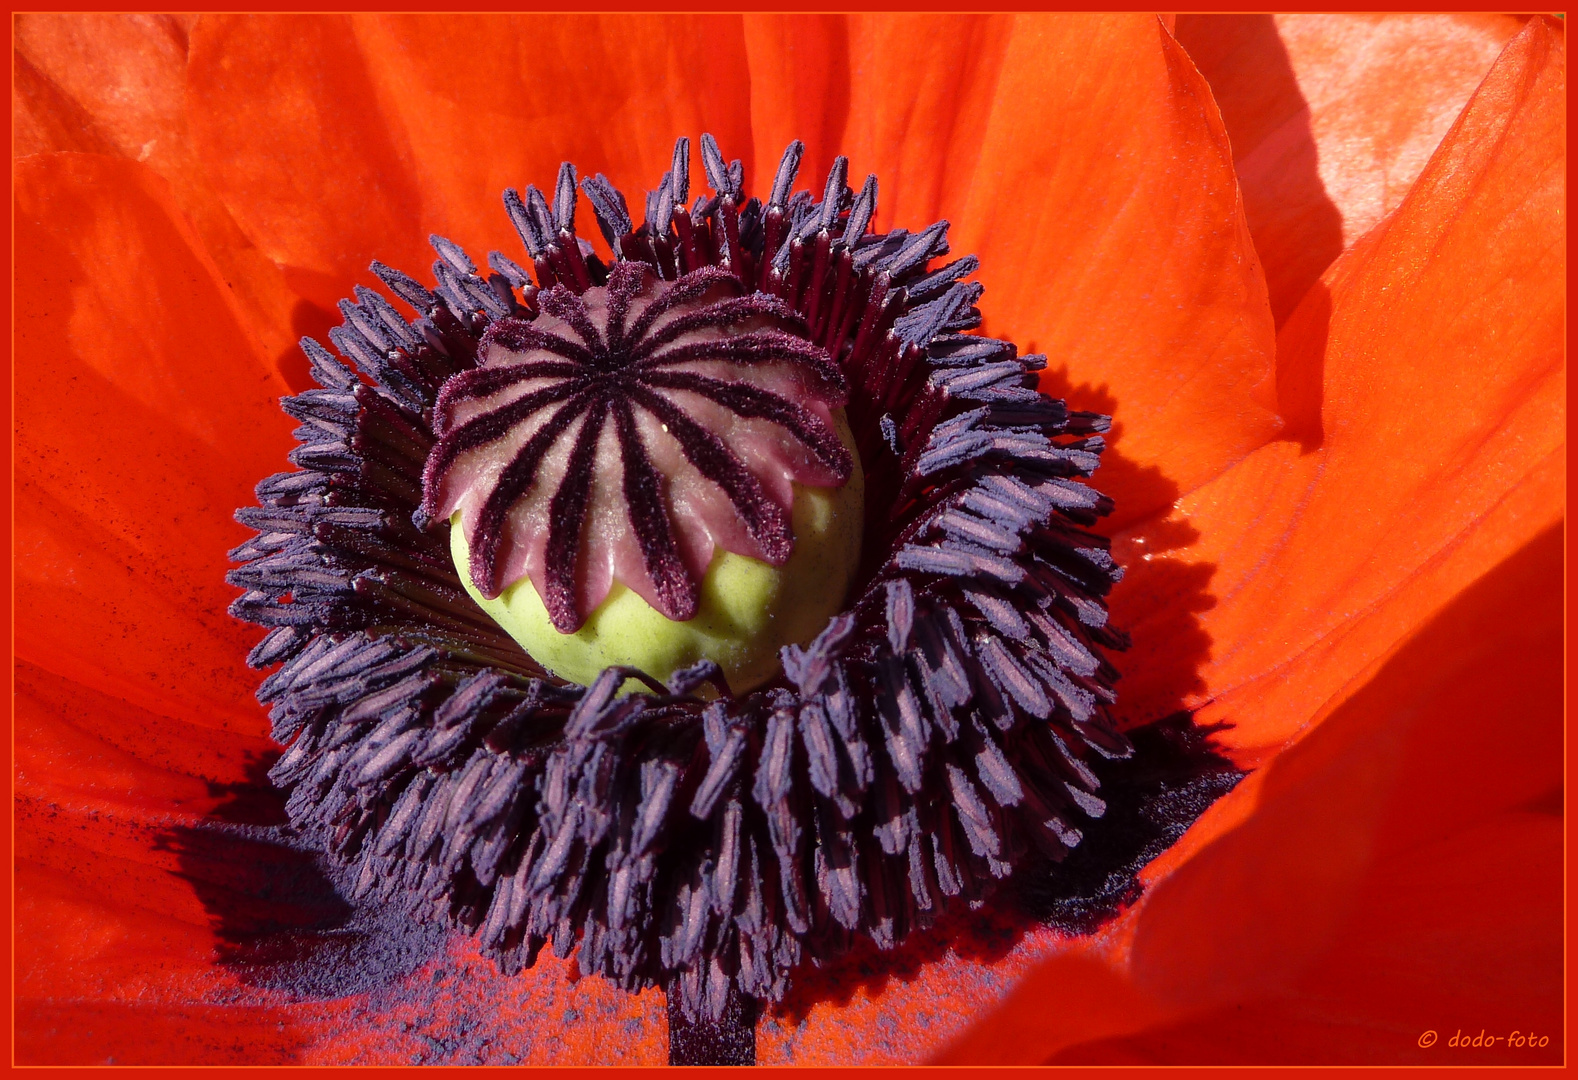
x: 758, y: 347
x: 483, y: 382
x: 751, y: 401
x: 719, y: 314
x: 518, y: 335
x: 765, y: 520
x: 483, y: 429
x: 678, y: 592
x: 624, y: 282
x: 687, y: 290
x: 561, y: 303
x: 517, y: 477
x: 566, y: 516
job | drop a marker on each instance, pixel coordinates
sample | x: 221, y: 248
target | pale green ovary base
x: 748, y: 611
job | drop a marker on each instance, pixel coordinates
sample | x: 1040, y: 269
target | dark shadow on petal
x: 1152, y: 798
x: 277, y: 907
x: 306, y: 320
x: 1296, y: 227
x: 1138, y: 491
x: 1160, y: 599
x: 1402, y: 776
x: 1301, y: 368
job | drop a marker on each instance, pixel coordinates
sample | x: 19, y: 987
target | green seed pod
x: 748, y: 611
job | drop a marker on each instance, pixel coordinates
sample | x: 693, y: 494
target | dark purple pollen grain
x: 937, y: 734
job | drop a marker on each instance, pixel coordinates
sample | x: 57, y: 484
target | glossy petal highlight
x: 134, y: 376
x: 1444, y: 333
x: 1120, y: 248
x: 1332, y: 118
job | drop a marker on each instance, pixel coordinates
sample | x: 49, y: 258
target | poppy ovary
x: 649, y: 474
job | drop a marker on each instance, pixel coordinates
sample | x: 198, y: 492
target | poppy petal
x: 1383, y: 776
x: 532, y: 84
x: 1436, y: 982
x: 1402, y: 376
x: 1111, y: 236
x: 340, y: 140
x: 116, y: 85
x: 801, y: 71
x: 99, y: 83
x: 905, y: 97
x: 909, y: 1017
x: 143, y: 415
x: 288, y: 126
x: 1399, y: 870
x: 1332, y: 117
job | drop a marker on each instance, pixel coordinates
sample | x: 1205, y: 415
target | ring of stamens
x: 931, y: 739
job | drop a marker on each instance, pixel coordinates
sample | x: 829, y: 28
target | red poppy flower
x: 1313, y: 266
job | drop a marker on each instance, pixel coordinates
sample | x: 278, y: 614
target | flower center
x: 635, y: 436
x: 643, y: 416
